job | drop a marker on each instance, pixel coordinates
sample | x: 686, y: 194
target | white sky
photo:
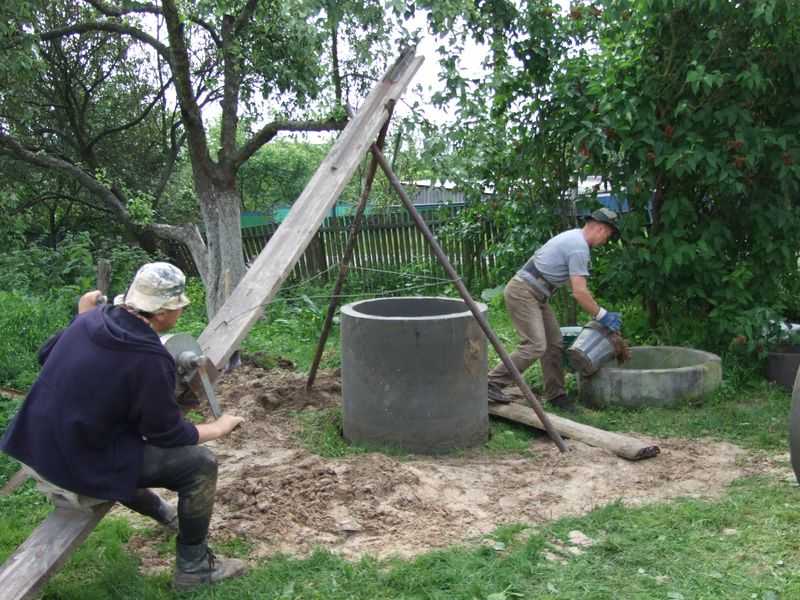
x: 427, y: 77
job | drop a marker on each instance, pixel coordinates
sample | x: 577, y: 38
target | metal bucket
x: 591, y: 350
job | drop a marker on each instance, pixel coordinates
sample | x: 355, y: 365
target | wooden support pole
x: 104, y: 275
x: 464, y: 292
x: 344, y: 266
x: 621, y: 445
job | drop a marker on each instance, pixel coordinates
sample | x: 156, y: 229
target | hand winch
x: 193, y: 371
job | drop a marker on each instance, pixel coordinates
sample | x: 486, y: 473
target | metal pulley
x: 193, y: 370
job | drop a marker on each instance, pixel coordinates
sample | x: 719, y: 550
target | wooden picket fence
x: 388, y: 243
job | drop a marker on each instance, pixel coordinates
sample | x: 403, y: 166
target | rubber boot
x: 196, y: 565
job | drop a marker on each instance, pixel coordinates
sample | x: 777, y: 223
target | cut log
x: 46, y: 550
x: 263, y: 279
x: 621, y: 445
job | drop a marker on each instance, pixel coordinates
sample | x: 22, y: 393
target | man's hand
x: 90, y: 300
x: 612, y: 320
x: 228, y: 423
x: 217, y: 429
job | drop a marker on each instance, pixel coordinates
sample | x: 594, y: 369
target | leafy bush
x: 26, y: 322
x: 38, y: 270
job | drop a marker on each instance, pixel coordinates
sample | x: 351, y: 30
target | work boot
x: 564, y: 402
x: 496, y: 394
x: 196, y: 565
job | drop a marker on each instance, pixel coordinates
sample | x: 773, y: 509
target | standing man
x: 102, y: 421
x: 564, y: 258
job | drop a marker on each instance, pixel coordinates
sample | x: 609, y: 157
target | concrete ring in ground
x: 794, y: 428
x: 654, y: 376
x: 414, y: 374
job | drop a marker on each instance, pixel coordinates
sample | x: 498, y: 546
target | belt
x: 539, y: 287
x: 540, y: 276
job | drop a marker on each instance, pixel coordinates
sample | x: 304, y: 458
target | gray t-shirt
x: 562, y: 257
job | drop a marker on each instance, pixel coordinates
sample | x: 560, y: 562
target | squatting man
x: 102, y: 421
x: 563, y: 259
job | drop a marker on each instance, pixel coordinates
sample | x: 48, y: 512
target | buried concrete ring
x: 794, y: 428
x: 414, y: 374
x: 660, y: 376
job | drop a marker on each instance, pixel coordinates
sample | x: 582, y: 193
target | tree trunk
x: 225, y: 257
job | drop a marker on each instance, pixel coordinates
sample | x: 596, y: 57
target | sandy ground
x: 281, y: 498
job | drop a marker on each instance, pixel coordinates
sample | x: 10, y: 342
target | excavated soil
x: 280, y: 497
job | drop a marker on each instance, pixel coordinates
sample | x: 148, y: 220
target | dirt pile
x: 280, y: 497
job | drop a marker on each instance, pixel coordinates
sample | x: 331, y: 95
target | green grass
x: 321, y: 433
x: 753, y: 416
x: 746, y: 545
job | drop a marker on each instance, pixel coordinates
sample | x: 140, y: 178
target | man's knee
x: 205, y: 462
x: 532, y: 349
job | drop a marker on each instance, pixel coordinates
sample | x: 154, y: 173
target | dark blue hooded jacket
x: 107, y: 388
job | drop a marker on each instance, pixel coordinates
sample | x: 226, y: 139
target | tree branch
x: 11, y: 147
x: 246, y: 14
x: 270, y: 130
x: 230, y: 92
x: 190, y: 111
x: 130, y: 7
x: 135, y: 121
x: 110, y: 27
x: 189, y: 235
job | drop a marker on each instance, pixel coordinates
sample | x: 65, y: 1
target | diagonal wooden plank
x: 46, y: 550
x: 263, y: 279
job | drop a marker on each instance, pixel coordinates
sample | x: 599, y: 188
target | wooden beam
x: 46, y: 550
x: 244, y: 307
x: 621, y: 445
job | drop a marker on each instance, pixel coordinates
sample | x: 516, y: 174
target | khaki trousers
x: 540, y: 338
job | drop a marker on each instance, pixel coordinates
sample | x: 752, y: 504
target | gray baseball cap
x: 609, y: 217
x: 157, y: 286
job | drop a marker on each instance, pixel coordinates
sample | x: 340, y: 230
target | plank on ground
x: 621, y: 445
x: 46, y: 549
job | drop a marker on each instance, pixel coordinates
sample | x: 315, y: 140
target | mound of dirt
x: 281, y: 498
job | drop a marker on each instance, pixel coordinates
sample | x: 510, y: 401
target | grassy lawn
x: 745, y: 545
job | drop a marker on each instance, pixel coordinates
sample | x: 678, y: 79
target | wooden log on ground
x: 44, y: 552
x: 621, y: 445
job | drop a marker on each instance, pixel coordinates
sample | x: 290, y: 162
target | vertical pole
x: 348, y: 251
x: 484, y: 324
x: 104, y: 275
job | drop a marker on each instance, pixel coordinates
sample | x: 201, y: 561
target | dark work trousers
x: 191, y: 471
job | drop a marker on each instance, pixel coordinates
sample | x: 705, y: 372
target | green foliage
x: 278, y: 173
x: 27, y: 321
x: 39, y: 270
x: 688, y: 109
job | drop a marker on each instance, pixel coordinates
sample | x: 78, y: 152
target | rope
x: 437, y: 281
